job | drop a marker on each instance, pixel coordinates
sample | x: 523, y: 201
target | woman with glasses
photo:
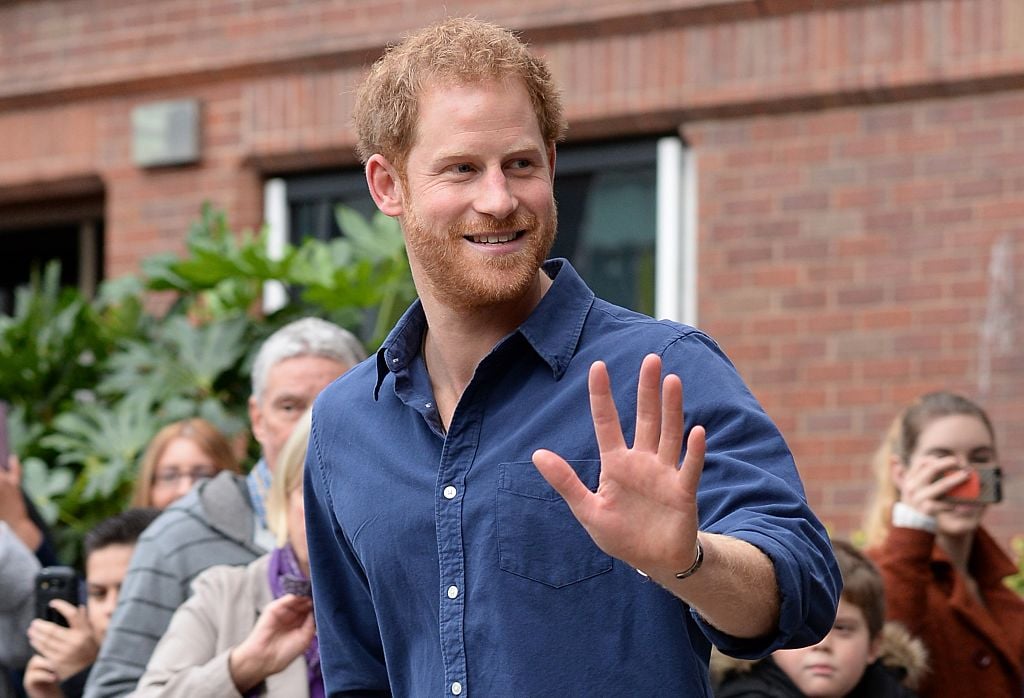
x: 180, y: 454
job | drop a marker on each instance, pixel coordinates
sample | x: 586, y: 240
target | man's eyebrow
x: 289, y: 396
x: 525, y: 148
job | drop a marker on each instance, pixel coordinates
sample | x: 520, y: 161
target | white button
x: 456, y: 688
x: 453, y: 591
x: 450, y: 492
x: 429, y: 405
x: 394, y: 360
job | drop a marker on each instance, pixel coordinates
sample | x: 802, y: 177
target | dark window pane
x: 606, y: 196
x: 28, y: 250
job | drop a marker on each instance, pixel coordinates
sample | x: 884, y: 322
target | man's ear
x: 551, y: 160
x: 256, y: 419
x: 385, y: 185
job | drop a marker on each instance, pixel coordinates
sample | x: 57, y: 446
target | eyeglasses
x: 173, y: 477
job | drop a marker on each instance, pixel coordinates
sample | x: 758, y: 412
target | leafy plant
x: 92, y: 380
x: 1016, y: 581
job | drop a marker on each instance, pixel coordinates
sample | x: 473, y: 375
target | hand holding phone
x: 982, y: 486
x: 62, y: 634
x: 58, y: 582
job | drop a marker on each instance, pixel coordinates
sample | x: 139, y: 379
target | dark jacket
x: 899, y: 668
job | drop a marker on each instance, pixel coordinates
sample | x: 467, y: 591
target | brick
x: 806, y: 201
x: 830, y: 322
x: 748, y: 254
x: 867, y: 295
x: 803, y: 300
x: 886, y: 318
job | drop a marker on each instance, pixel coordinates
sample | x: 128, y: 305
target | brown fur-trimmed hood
x: 901, y: 652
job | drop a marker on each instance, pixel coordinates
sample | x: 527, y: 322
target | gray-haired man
x: 222, y: 520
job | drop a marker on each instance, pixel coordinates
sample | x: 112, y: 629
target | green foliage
x: 90, y: 381
x: 1016, y: 581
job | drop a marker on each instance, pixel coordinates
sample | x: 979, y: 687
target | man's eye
x: 462, y: 168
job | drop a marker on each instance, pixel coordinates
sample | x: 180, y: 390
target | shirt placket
x: 449, y: 496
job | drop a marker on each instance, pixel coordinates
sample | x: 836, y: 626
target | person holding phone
x: 936, y: 475
x: 252, y: 626
x: 66, y: 652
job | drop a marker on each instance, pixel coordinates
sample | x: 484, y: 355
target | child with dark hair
x: 64, y: 655
x: 861, y: 657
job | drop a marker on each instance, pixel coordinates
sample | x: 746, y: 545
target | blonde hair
x: 202, y: 433
x: 898, y: 445
x: 288, y: 477
x: 459, y: 50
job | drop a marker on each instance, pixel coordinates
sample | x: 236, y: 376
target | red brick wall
x: 850, y: 260
x: 859, y: 164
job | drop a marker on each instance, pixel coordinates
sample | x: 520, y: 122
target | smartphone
x: 58, y: 582
x: 983, y: 486
x: 5, y: 444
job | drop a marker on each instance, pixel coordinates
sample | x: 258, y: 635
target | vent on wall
x: 166, y: 133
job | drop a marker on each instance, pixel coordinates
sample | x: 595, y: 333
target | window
x: 620, y: 218
x: 70, y: 232
x: 607, y: 204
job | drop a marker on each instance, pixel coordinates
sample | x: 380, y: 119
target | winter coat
x: 191, y: 660
x: 975, y: 649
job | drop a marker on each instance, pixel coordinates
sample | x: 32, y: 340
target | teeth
x: 493, y: 239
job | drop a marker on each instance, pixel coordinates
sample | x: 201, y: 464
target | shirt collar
x: 552, y: 329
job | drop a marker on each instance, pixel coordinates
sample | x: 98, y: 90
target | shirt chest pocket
x: 538, y: 537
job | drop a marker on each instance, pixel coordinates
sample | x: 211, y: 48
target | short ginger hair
x: 457, y: 50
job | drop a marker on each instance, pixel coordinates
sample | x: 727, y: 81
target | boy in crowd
x: 861, y: 657
x: 66, y: 654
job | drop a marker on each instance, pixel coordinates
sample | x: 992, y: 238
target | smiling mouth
x: 494, y: 238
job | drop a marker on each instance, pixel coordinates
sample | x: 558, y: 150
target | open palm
x: 644, y: 511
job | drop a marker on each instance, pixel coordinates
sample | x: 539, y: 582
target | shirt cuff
x: 904, y: 516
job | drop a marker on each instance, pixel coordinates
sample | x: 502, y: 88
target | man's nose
x: 495, y: 197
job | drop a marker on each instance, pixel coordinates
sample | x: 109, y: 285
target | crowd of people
x: 508, y: 499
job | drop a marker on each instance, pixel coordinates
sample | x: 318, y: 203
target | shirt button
x: 456, y: 688
x: 453, y: 591
x: 983, y: 659
x: 428, y: 405
x: 450, y: 492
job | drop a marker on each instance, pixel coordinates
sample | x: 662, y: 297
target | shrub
x: 90, y: 381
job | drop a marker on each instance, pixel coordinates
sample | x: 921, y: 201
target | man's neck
x: 457, y: 340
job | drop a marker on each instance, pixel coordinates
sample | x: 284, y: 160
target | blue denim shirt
x: 444, y: 564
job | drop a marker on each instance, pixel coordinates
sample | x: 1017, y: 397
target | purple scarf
x: 286, y: 577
